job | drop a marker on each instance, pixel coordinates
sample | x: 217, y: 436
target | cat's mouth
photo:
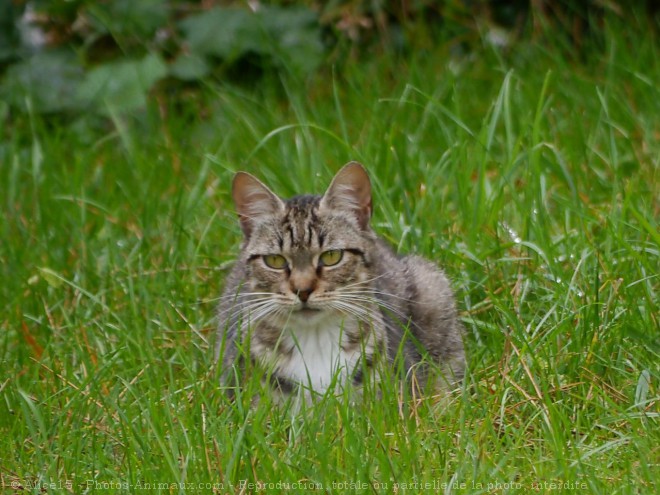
x: 307, y: 310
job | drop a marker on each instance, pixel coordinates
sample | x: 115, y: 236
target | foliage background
x: 68, y: 57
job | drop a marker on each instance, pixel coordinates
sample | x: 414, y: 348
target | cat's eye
x: 332, y: 257
x: 275, y: 261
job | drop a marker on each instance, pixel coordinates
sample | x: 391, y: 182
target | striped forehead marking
x: 300, y: 226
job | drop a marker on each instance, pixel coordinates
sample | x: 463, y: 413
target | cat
x: 317, y: 300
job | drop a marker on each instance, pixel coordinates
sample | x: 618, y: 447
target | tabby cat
x: 318, y: 300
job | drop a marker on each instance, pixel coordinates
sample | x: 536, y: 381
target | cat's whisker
x: 261, y: 312
x: 240, y: 305
x: 363, y: 295
x: 243, y: 306
x: 382, y: 293
x: 359, y: 311
x: 364, y: 282
x: 254, y: 310
x: 386, y: 306
x: 348, y: 310
x: 249, y: 297
x: 243, y: 295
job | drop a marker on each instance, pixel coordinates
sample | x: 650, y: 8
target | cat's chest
x: 317, y: 352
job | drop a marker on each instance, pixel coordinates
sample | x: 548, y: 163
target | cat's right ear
x: 253, y: 200
x: 350, y: 191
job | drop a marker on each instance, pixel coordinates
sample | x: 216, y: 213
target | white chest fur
x: 317, y: 356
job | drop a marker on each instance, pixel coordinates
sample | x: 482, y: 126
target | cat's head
x: 308, y: 249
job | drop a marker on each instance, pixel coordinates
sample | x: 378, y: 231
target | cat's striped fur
x: 307, y: 321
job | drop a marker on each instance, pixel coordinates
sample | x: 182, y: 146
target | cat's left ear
x: 253, y: 200
x: 350, y: 191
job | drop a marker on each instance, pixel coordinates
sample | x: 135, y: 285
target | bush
x: 65, y: 56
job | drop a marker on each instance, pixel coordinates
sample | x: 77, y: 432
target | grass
x: 531, y: 177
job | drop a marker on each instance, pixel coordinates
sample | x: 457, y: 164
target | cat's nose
x: 302, y: 283
x: 303, y: 294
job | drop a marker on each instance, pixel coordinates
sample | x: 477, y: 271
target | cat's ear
x: 253, y: 200
x: 350, y: 191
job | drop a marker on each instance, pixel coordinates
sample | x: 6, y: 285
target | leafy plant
x: 67, y: 56
x: 57, y: 80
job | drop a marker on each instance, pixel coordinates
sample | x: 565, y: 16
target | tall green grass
x: 530, y: 177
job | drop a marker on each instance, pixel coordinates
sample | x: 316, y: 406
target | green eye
x: 330, y: 258
x: 275, y: 261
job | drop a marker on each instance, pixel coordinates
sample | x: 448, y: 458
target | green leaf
x: 189, y: 67
x: 290, y: 36
x: 129, y: 18
x: 227, y: 33
x: 294, y: 37
x: 49, y: 79
x: 51, y: 277
x: 122, y: 86
x: 642, y: 390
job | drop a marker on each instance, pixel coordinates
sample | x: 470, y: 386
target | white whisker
x: 236, y: 295
x: 243, y: 306
x: 375, y: 301
x: 351, y: 309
